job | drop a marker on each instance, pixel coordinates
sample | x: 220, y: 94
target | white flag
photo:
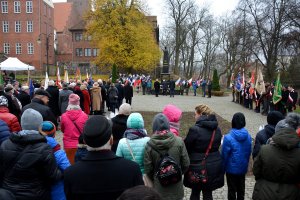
x: 46, y: 81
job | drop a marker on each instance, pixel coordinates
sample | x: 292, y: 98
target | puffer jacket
x: 63, y: 100
x: 262, y: 137
x: 32, y: 175
x: 138, y: 148
x: 236, y: 151
x: 173, y: 114
x: 57, y: 190
x: 196, y: 142
x: 4, y: 131
x: 10, y: 119
x: 119, y: 126
x: 277, y: 168
x: 70, y: 131
x: 176, y: 148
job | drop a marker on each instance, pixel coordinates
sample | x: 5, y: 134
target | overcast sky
x: 217, y: 7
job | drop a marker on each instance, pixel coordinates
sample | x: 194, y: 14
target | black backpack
x: 167, y: 170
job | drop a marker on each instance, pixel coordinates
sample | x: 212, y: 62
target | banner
x: 66, y: 77
x: 260, y: 84
x: 177, y: 82
x: 277, y: 90
x: 31, y: 88
x: 1, y: 78
x: 252, y: 81
x: 46, y: 81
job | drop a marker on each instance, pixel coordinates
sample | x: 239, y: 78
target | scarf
x: 162, y: 132
x: 174, y: 128
x: 133, y: 134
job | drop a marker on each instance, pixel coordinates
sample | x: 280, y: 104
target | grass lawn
x: 186, y: 122
x: 297, y: 110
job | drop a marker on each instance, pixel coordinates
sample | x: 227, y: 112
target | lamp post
x: 39, y: 41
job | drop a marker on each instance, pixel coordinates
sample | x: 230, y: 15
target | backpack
x: 167, y: 170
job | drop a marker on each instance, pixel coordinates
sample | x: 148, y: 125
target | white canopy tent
x: 14, y: 64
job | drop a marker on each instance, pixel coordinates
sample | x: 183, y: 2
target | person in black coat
x: 39, y: 103
x: 27, y: 165
x: 197, y: 142
x: 24, y: 96
x: 128, y: 92
x: 54, y: 96
x: 262, y: 136
x: 156, y: 87
x: 100, y: 174
x: 119, y: 124
x: 172, y: 87
x: 120, y: 89
x: 103, y: 95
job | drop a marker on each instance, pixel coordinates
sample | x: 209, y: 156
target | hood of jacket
x: 31, y: 137
x: 74, y: 114
x: 286, y: 138
x: 164, y: 141
x: 207, y: 121
x: 270, y: 130
x: 120, y: 119
x: 240, y: 134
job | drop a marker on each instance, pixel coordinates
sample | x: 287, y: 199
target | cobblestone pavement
x: 221, y: 105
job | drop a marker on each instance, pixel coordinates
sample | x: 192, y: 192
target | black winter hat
x: 238, y: 121
x: 160, y: 123
x: 42, y: 92
x: 274, y: 117
x: 97, y: 131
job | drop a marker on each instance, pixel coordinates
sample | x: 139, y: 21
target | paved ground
x: 221, y: 105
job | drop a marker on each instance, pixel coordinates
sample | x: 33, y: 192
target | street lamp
x: 39, y: 41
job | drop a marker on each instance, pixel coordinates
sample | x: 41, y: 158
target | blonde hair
x: 203, y: 109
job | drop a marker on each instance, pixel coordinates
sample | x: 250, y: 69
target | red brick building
x: 23, y: 24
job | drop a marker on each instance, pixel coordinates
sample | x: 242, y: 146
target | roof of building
x: 62, y: 13
x: 49, y: 2
x: 79, y: 26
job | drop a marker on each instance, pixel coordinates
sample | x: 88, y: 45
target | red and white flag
x: 58, y: 80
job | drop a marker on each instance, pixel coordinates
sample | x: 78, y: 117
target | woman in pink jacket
x: 72, y: 123
x: 174, y: 115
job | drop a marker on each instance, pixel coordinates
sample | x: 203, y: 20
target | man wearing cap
x: 100, y: 174
x: 39, y: 103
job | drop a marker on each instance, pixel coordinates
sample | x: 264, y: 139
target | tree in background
x: 122, y: 33
x: 114, y: 74
x: 215, y: 81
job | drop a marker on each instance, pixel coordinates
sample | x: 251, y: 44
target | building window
x: 29, y: 26
x: 78, y: 36
x: 95, y: 52
x: 79, y: 52
x: 6, y: 48
x: 17, y: 26
x: 4, y: 6
x: 5, y: 26
x: 17, y: 6
x: 18, y: 48
x: 28, y: 6
x: 88, y: 38
x: 87, y: 52
x: 30, y: 48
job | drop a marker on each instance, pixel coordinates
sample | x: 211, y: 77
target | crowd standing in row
x: 114, y: 155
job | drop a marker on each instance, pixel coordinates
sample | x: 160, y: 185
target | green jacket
x: 176, y: 148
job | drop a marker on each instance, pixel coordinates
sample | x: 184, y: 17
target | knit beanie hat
x: 97, y: 131
x: 135, y: 121
x: 172, y: 113
x: 280, y: 125
x: 125, y: 109
x: 238, y: 121
x: 160, y: 123
x: 31, y: 119
x: 47, y: 128
x: 74, y: 99
x: 8, y: 88
x: 274, y: 117
x: 3, y: 101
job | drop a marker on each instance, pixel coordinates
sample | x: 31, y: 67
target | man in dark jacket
x: 39, y: 103
x: 64, y: 98
x: 100, y: 174
x: 262, y: 136
x: 24, y: 96
x: 120, y: 89
x: 54, y: 96
x: 27, y: 164
x: 172, y: 87
x: 156, y: 87
x: 128, y: 92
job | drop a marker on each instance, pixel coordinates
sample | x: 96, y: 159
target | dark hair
x: 140, y: 192
x: 274, y: 117
x: 238, y: 121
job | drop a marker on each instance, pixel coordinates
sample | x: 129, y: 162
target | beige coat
x: 96, y: 98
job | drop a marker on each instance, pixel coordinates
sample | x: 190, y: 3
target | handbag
x: 147, y: 181
x: 197, y: 173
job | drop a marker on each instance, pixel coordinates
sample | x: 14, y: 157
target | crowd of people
x: 118, y: 158
x: 263, y: 103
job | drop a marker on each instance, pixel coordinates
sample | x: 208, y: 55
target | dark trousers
x: 195, y: 195
x: 144, y: 90
x: 128, y: 100
x: 172, y: 92
x: 120, y: 101
x: 209, y: 93
x: 236, y: 186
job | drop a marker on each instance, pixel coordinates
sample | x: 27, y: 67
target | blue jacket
x: 236, y: 151
x: 57, y: 190
x: 138, y: 148
x: 4, y: 131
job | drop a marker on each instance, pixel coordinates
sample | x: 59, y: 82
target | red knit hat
x: 74, y: 99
